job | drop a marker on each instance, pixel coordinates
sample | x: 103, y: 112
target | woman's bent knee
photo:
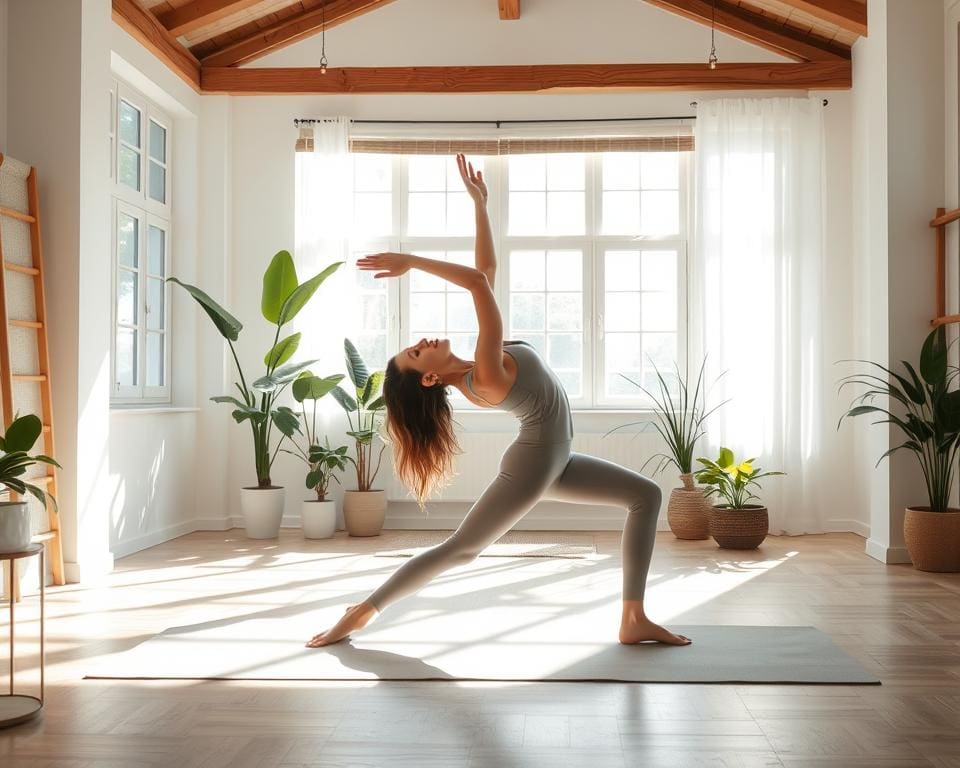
x: 648, y: 497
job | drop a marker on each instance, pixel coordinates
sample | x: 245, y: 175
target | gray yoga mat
x: 272, y: 649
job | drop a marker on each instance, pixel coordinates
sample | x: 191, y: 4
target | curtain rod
x: 498, y: 123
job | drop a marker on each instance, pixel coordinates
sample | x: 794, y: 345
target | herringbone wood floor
x: 901, y: 623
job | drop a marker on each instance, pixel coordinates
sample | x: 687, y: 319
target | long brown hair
x: 420, y: 425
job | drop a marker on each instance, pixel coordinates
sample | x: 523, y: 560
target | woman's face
x: 425, y: 356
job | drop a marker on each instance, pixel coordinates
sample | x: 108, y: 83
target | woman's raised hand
x: 391, y: 264
x: 472, y: 180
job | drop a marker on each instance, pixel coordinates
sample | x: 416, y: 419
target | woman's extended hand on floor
x: 392, y: 264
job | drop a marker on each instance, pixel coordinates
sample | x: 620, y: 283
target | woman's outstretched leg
x: 526, y: 469
x: 590, y: 480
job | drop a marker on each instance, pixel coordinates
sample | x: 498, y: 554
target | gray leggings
x: 530, y: 472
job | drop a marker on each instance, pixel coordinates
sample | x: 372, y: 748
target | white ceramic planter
x: 364, y: 512
x: 14, y: 526
x: 319, y: 518
x: 262, y: 511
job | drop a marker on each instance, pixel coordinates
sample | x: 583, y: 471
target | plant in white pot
x: 928, y: 415
x: 364, y: 509
x: 736, y: 524
x: 15, y: 445
x: 318, y: 515
x: 680, y: 418
x: 282, y: 299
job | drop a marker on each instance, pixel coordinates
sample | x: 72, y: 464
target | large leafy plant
x: 366, y: 406
x: 322, y: 461
x: 929, y: 412
x: 680, y: 416
x: 730, y: 479
x: 282, y: 299
x: 16, y: 445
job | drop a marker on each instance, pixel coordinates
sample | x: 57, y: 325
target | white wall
x: 3, y: 75
x: 429, y: 32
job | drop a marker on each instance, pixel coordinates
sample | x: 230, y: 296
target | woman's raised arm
x: 484, y: 252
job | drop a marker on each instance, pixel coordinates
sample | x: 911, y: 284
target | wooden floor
x: 900, y: 623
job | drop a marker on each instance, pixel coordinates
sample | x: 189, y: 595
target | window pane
x: 126, y: 297
x: 155, y: 359
x: 622, y: 351
x: 461, y: 315
x: 565, y: 213
x: 659, y: 311
x: 372, y: 348
x: 373, y: 173
x: 155, y: 302
x: 463, y: 345
x: 564, y: 270
x: 622, y: 311
x: 618, y: 386
x: 528, y: 213
x: 621, y: 213
x: 427, y: 213
x: 621, y: 170
x: 129, y: 123
x: 428, y: 312
x: 424, y: 281
x: 129, y: 167
x: 372, y: 214
x: 572, y: 382
x: 527, y: 312
x: 565, y: 171
x: 660, y: 270
x: 659, y: 213
x: 527, y: 172
x: 158, y: 182
x: 427, y: 173
x: 527, y: 271
x: 461, y: 216
x: 622, y: 270
x: 660, y: 170
x: 158, y: 142
x: 373, y: 311
x: 126, y: 357
x: 565, y: 350
x: 564, y: 312
x: 128, y: 237
x: 660, y: 350
x: 537, y: 340
x: 155, y: 251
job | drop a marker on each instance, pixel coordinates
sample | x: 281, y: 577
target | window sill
x: 147, y: 410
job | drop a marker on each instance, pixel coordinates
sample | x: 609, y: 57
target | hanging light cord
x: 323, y: 37
x: 712, y: 61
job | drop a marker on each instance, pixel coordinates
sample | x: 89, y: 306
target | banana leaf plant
x: 928, y: 412
x: 366, y: 406
x: 16, y: 445
x: 282, y: 299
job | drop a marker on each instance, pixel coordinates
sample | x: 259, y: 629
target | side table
x: 18, y: 708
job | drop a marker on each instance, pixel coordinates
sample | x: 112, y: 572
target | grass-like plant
x: 730, y: 479
x: 366, y: 407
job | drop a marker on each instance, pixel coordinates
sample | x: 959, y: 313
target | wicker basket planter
x: 933, y: 539
x: 688, y: 511
x: 744, y: 528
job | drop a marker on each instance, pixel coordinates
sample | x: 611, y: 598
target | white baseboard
x: 137, y: 543
x: 846, y: 525
x: 886, y: 554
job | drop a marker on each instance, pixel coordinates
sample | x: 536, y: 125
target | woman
x: 510, y: 376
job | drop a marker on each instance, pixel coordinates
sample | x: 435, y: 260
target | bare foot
x: 356, y: 617
x: 638, y: 629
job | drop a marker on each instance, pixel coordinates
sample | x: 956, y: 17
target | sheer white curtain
x: 324, y: 200
x: 757, y: 303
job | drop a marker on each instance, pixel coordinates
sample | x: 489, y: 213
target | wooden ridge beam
x: 193, y: 16
x: 756, y: 29
x: 523, y: 78
x: 143, y: 25
x: 509, y: 9
x: 846, y: 14
x: 289, y: 31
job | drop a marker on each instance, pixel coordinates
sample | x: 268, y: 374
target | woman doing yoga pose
x: 538, y: 465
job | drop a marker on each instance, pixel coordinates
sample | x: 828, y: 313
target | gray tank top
x: 537, y: 398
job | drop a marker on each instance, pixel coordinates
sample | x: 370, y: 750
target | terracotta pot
x: 364, y: 512
x: 688, y: 511
x: 319, y: 518
x: 933, y: 539
x: 262, y: 511
x: 744, y: 528
x: 15, y: 534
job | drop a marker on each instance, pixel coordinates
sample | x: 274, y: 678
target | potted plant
x: 365, y: 508
x: 282, y: 299
x: 737, y: 524
x: 680, y: 423
x: 930, y: 405
x: 16, y: 444
x: 318, y: 516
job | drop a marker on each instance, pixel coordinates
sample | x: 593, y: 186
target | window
x: 591, y: 250
x: 140, y: 137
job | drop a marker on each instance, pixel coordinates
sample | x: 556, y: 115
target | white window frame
x: 149, y: 213
x: 591, y: 243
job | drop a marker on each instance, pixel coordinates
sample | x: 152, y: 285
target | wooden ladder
x: 32, y: 265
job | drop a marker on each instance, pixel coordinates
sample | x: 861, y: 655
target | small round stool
x: 18, y: 708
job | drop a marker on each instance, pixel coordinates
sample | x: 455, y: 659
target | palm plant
x: 931, y: 412
x: 365, y: 407
x: 731, y: 479
x: 282, y: 299
x: 16, y: 445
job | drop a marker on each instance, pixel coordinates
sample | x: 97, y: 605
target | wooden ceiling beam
x: 754, y: 28
x: 143, y: 25
x: 290, y: 31
x: 536, y: 78
x: 198, y: 14
x: 509, y: 9
x: 846, y: 14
